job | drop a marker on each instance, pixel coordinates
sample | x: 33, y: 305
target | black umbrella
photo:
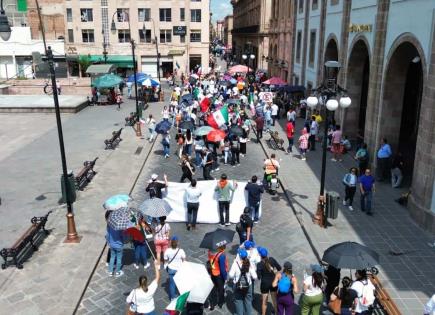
x: 186, y: 124
x: 163, y: 127
x: 220, y: 237
x: 236, y: 130
x: 350, y: 255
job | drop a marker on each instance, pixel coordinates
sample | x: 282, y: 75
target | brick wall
x: 52, y: 13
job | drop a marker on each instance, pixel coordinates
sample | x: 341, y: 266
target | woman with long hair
x: 141, y: 299
x: 266, y: 271
x: 188, y: 143
x: 313, y: 294
x: 287, y: 285
x: 161, y: 237
x: 347, y: 296
x: 174, y: 257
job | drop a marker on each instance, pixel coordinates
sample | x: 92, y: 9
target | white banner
x: 208, y: 211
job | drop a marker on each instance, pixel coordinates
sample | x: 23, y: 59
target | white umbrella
x: 193, y: 278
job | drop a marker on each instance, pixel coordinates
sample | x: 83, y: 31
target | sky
x: 220, y: 9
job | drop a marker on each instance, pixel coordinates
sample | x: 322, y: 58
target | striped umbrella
x: 123, y: 218
x: 155, y: 208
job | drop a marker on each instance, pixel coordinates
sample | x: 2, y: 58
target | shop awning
x: 100, y: 69
x: 175, y: 52
x: 120, y: 61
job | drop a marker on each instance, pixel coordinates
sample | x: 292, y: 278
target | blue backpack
x: 284, y: 284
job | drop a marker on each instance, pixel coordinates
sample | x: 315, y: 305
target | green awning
x: 120, y: 61
x: 175, y: 52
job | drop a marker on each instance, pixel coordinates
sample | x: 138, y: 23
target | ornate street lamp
x: 333, y: 96
x: 5, y: 28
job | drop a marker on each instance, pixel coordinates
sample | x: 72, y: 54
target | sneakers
x: 344, y: 203
x: 333, y: 160
x: 136, y: 266
x: 227, y: 224
x: 217, y: 169
x: 119, y: 274
x: 110, y: 274
x: 350, y: 208
x: 146, y: 266
x: 256, y: 222
x: 221, y: 224
x: 304, y: 159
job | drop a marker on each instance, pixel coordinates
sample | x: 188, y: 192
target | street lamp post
x: 327, y: 94
x: 157, y: 49
x: 72, y: 236
x: 113, y: 29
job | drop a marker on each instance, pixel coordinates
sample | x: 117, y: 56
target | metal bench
x: 15, y: 254
x: 114, y: 141
x: 275, y: 141
x: 86, y: 174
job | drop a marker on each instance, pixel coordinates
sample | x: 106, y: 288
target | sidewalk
x: 409, y: 277
x: 53, y: 278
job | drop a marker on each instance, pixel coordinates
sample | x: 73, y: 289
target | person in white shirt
x: 141, y: 299
x: 151, y: 122
x: 314, y: 129
x: 165, y: 113
x: 358, y: 286
x: 242, y: 273
x: 313, y: 294
x: 429, y: 308
x: 275, y: 110
x: 350, y: 181
x: 174, y: 257
x: 192, y: 199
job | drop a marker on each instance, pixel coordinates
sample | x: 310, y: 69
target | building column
x: 321, y: 48
x: 293, y: 41
x: 305, y: 41
x: 421, y: 201
x: 374, y: 103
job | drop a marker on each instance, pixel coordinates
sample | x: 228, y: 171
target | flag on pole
x: 178, y: 304
x: 219, y: 118
x: 22, y: 5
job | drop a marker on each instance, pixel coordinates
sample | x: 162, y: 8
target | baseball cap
x: 242, y: 253
x: 174, y: 238
x: 317, y: 268
x: 248, y: 244
x: 154, y: 176
x: 262, y: 251
x: 288, y: 265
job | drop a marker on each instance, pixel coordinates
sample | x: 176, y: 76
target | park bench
x: 114, y: 141
x: 86, y: 174
x: 383, y: 305
x: 16, y: 253
x: 275, y: 141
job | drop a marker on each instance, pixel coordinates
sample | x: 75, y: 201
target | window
x: 314, y: 5
x: 301, y: 6
x: 182, y: 38
x: 165, y: 15
x: 145, y: 38
x: 104, y: 3
x: 123, y: 36
x: 335, y: 2
x: 70, y: 36
x: 165, y: 36
x: 86, y: 15
x: 195, y: 15
x: 144, y: 14
x: 312, y: 48
x: 69, y: 15
x: 122, y: 15
x: 182, y: 14
x: 298, y: 46
x: 88, y: 36
x: 195, y: 36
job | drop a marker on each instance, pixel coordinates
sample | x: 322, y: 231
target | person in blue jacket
x: 115, y: 239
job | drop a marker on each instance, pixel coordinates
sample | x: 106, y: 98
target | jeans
x: 312, y: 142
x: 349, y: 194
x: 366, y: 201
x: 268, y: 124
x: 186, y: 175
x: 226, y: 156
x: 274, y: 118
x: 151, y: 131
x: 115, y: 254
x: 290, y: 144
x: 259, y: 134
x: 224, y: 207
x: 172, y: 287
x: 254, y: 210
x: 243, y: 302
x: 217, y: 294
x: 140, y: 252
x: 383, y: 168
x: 206, y: 172
x: 192, y: 213
x: 396, y: 177
x: 235, y: 156
x: 166, y: 151
x: 198, y: 158
x: 188, y: 149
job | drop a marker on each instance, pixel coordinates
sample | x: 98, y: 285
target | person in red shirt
x: 259, y: 123
x: 290, y: 130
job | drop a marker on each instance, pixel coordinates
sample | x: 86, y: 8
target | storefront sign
x: 266, y: 96
x: 72, y: 50
x: 357, y: 28
x: 179, y: 30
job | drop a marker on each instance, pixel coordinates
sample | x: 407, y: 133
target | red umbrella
x: 135, y: 234
x: 216, y: 135
x: 275, y: 81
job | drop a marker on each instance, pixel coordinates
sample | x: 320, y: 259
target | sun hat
x: 154, y: 176
x: 317, y: 268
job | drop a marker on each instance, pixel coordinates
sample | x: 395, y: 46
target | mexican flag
x: 219, y: 117
x: 178, y: 304
x: 205, y: 104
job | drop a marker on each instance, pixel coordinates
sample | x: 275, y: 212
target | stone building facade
x: 251, y: 30
x: 280, y: 61
x: 387, y: 52
x: 228, y: 32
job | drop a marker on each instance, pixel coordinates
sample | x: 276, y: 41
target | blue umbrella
x: 140, y: 76
x: 187, y: 98
x: 233, y: 81
x: 150, y: 82
x: 117, y: 201
x: 163, y: 127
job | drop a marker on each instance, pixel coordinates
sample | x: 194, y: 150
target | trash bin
x: 71, y: 188
x: 332, y: 198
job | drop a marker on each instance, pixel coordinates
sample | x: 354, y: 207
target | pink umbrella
x: 227, y: 77
x: 239, y: 68
x: 275, y: 81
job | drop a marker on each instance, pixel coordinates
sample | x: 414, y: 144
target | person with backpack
x: 362, y: 156
x: 266, y: 270
x: 155, y: 187
x: 313, y: 294
x: 350, y: 181
x: 174, y: 257
x: 225, y: 190
x: 243, y: 273
x: 286, y: 285
x: 346, y: 295
x: 217, y: 265
x: 365, y: 293
x: 245, y: 226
